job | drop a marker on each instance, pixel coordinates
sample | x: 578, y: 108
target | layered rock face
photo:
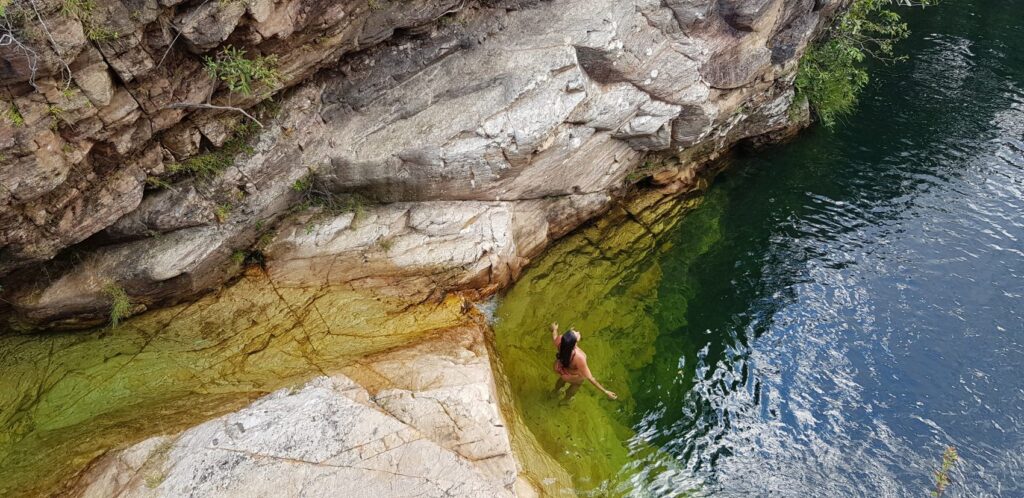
x: 430, y: 146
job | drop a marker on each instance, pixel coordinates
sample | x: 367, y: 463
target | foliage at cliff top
x: 832, y: 74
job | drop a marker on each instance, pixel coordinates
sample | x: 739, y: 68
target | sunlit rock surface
x: 71, y: 397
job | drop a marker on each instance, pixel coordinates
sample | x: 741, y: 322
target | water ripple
x: 890, y: 311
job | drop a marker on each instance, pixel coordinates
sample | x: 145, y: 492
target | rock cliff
x: 412, y: 147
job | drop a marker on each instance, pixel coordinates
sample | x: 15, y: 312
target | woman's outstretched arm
x: 554, y: 333
x: 586, y: 373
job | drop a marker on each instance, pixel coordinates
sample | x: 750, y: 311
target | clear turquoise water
x: 833, y: 315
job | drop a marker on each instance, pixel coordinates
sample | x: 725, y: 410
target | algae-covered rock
x: 66, y: 398
x: 416, y: 421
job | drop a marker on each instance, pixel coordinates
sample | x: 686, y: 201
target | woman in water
x: 571, y: 364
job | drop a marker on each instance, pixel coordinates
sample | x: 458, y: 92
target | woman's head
x: 567, y: 346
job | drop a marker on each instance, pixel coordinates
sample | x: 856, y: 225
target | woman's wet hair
x: 566, y: 348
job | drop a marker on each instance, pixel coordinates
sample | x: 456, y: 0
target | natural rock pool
x: 824, y: 320
x: 830, y: 317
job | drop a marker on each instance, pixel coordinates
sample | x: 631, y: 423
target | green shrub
x: 831, y: 73
x: 18, y: 18
x: 830, y: 78
x: 14, y: 116
x: 242, y: 74
x: 303, y: 184
x: 210, y: 164
x: 158, y: 183
x: 55, y: 111
x: 263, y: 241
x: 120, y: 303
x: 81, y: 9
x: 315, y: 195
x: 222, y: 212
x: 101, y: 34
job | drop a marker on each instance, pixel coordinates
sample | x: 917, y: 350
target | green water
x: 830, y: 315
x: 608, y: 282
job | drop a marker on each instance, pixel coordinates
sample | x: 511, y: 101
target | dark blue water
x: 864, y: 307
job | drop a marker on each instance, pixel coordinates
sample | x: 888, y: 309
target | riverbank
x: 68, y: 398
x: 420, y: 420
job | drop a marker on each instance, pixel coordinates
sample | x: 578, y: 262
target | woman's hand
x: 611, y: 395
x: 554, y: 326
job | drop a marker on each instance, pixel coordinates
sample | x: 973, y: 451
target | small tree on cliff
x: 832, y: 74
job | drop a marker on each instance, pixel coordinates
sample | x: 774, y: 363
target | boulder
x: 210, y: 23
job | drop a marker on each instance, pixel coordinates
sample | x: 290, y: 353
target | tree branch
x: 33, y: 59
x: 56, y: 47
x: 183, y: 105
